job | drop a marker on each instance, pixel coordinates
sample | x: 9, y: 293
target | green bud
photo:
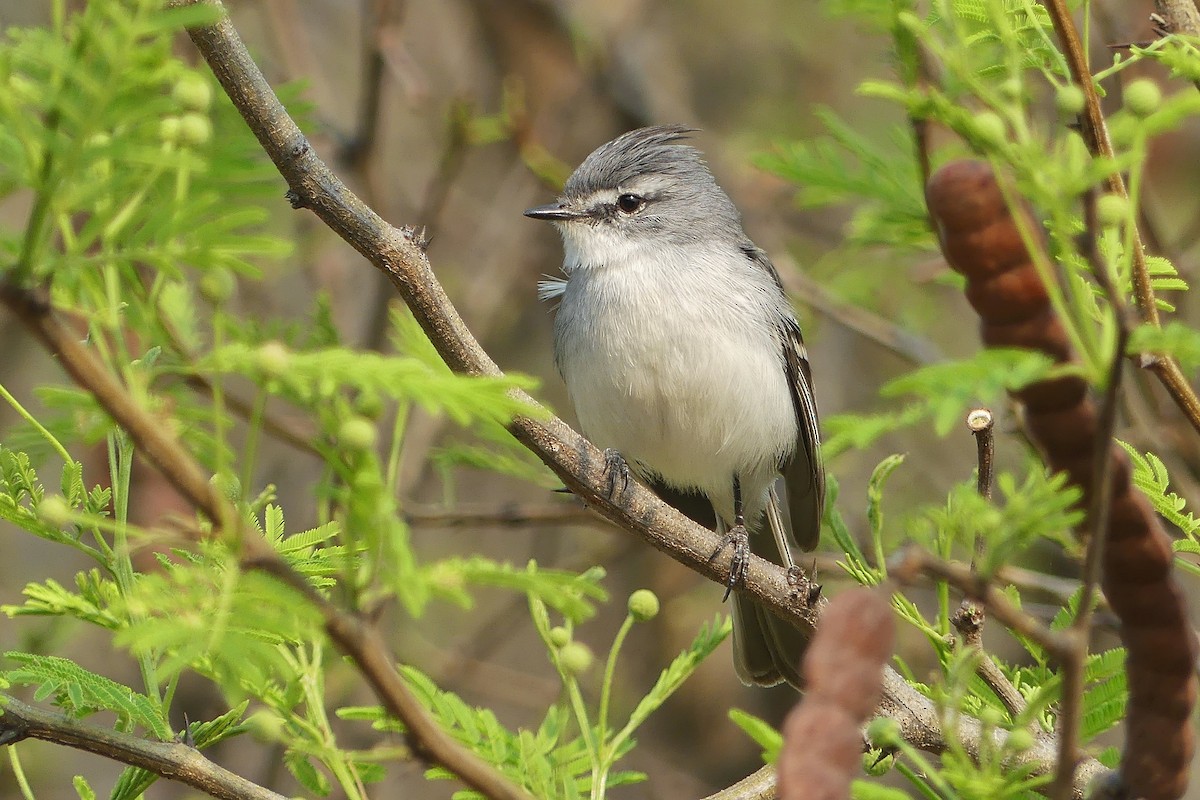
x: 369, y: 404
x: 274, y: 358
x: 194, y: 129
x: 1142, y: 97
x: 1111, y: 210
x: 228, y: 485
x: 576, y: 658
x: 643, y: 605
x: 218, y: 285
x: 883, y: 731
x: 192, y: 92
x: 168, y: 129
x: 877, y: 762
x: 54, y: 510
x: 265, y: 725
x: 357, y: 433
x: 989, y: 128
x: 559, y: 636
x: 1012, y: 88
x: 1070, y: 100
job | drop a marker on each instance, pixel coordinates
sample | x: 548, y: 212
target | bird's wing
x: 803, y: 473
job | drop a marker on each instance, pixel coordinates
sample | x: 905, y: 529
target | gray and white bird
x: 681, y: 352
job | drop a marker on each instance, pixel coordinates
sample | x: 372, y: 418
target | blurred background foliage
x: 456, y: 115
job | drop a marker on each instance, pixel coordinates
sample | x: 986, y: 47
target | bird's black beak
x: 554, y: 212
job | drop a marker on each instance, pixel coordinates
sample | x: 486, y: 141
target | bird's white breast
x: 674, y: 360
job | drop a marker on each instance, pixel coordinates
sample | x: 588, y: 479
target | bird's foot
x: 616, y: 469
x: 739, y: 560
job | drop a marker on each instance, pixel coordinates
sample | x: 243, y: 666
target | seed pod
x: 980, y: 240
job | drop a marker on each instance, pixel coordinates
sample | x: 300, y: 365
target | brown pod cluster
x: 980, y: 240
x: 843, y: 668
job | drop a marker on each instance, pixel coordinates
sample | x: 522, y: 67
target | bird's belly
x: 692, y: 404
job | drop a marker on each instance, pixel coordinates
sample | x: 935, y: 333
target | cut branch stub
x: 981, y: 240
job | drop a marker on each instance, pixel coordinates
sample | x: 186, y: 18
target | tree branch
x: 171, y: 760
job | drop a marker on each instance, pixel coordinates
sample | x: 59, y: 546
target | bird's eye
x: 630, y: 203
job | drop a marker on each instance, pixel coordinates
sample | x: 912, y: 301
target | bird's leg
x: 739, y: 539
x: 615, y: 468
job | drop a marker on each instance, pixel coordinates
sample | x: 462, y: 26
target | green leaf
x: 82, y: 788
x: 761, y: 731
x: 683, y: 665
x: 80, y: 693
x: 572, y: 595
x: 949, y: 389
x: 306, y: 774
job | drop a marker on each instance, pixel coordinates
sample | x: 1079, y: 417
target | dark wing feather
x: 803, y: 473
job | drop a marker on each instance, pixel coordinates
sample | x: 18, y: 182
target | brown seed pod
x: 843, y: 667
x: 980, y: 240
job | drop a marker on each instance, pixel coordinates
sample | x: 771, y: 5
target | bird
x: 684, y: 360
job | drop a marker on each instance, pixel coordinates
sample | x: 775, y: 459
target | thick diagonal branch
x: 172, y: 760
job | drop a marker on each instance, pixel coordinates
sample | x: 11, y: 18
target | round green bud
x: 883, y: 731
x: 643, y: 605
x: 194, y: 129
x: 1012, y: 88
x: 1070, y: 100
x: 369, y: 404
x: 54, y: 510
x: 192, y: 92
x: 989, y: 128
x: 1111, y: 209
x: 274, y: 358
x: 357, y: 433
x: 228, y: 485
x: 168, y: 130
x: 1019, y: 740
x: 877, y: 762
x: 576, y: 658
x: 1142, y: 97
x: 265, y: 725
x: 218, y: 285
x: 559, y: 636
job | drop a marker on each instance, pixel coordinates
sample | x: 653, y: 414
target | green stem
x: 120, y: 467
x: 253, y: 435
x: 604, y: 752
x: 609, y: 671
x: 32, y: 420
x: 15, y: 761
x: 398, y: 430
x: 585, y: 727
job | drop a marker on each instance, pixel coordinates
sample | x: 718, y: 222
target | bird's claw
x: 615, y: 467
x: 739, y: 561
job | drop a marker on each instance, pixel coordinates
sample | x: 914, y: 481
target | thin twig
x: 911, y: 562
x: 172, y: 760
x: 981, y: 423
x: 904, y: 343
x: 968, y: 622
x: 509, y: 515
x: 1071, y: 708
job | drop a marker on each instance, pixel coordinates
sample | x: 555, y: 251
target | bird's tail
x: 767, y: 650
